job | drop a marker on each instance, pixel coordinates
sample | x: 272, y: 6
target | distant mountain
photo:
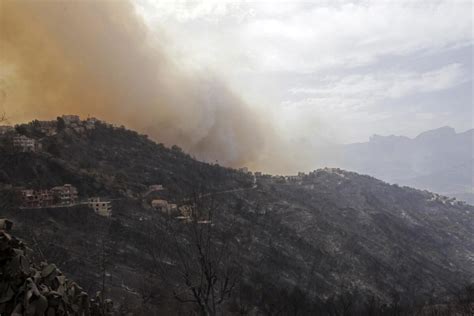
x: 307, y: 245
x: 439, y: 160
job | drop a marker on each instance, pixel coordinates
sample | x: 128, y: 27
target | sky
x: 330, y: 71
x: 270, y: 85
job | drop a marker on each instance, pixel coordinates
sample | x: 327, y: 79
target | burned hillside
x: 308, y: 241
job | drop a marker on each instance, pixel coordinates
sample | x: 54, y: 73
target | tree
x: 176, y: 149
x: 21, y: 129
x: 464, y: 298
x: 104, y: 250
x: 206, y: 269
x: 372, y: 305
x: 60, y: 125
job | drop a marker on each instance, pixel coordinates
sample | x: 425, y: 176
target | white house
x: 69, y: 119
x: 66, y: 194
x: 25, y: 144
x: 6, y: 129
x: 164, y: 206
x: 103, y: 208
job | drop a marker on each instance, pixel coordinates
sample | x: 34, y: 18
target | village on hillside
x: 64, y: 195
x: 13, y: 138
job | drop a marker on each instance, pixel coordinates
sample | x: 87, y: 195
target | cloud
x: 352, y: 35
x: 366, y: 89
x: 359, y: 59
x: 360, y: 102
x: 355, y: 54
x: 306, y: 37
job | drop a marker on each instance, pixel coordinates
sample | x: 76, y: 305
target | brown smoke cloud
x: 95, y: 58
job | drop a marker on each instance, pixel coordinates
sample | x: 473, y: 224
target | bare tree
x: 202, y: 258
x: 103, y: 257
x: 464, y: 298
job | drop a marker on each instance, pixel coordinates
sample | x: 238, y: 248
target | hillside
x: 327, y: 235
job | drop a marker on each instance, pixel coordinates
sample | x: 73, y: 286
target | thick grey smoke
x: 95, y: 58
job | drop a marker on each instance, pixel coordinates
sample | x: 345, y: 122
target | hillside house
x: 266, y: 177
x: 65, y: 195
x: 164, y: 206
x: 90, y: 123
x: 71, y: 119
x: 172, y: 208
x: 36, y: 198
x: 25, y: 144
x: 244, y: 170
x: 5, y: 129
x: 186, y: 211
x: 78, y: 129
x: 156, y: 187
x: 159, y: 204
x: 204, y: 221
x: 295, y: 179
x: 48, y: 127
x: 100, y: 207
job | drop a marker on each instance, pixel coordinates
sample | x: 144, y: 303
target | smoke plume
x: 95, y: 58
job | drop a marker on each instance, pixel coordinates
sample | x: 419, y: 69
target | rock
x: 32, y: 290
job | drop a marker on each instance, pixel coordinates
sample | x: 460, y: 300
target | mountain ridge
x: 410, y: 161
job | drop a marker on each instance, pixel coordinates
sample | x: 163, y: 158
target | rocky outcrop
x: 33, y: 289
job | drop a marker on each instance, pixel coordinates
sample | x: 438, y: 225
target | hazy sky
x: 265, y: 84
x: 338, y: 70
